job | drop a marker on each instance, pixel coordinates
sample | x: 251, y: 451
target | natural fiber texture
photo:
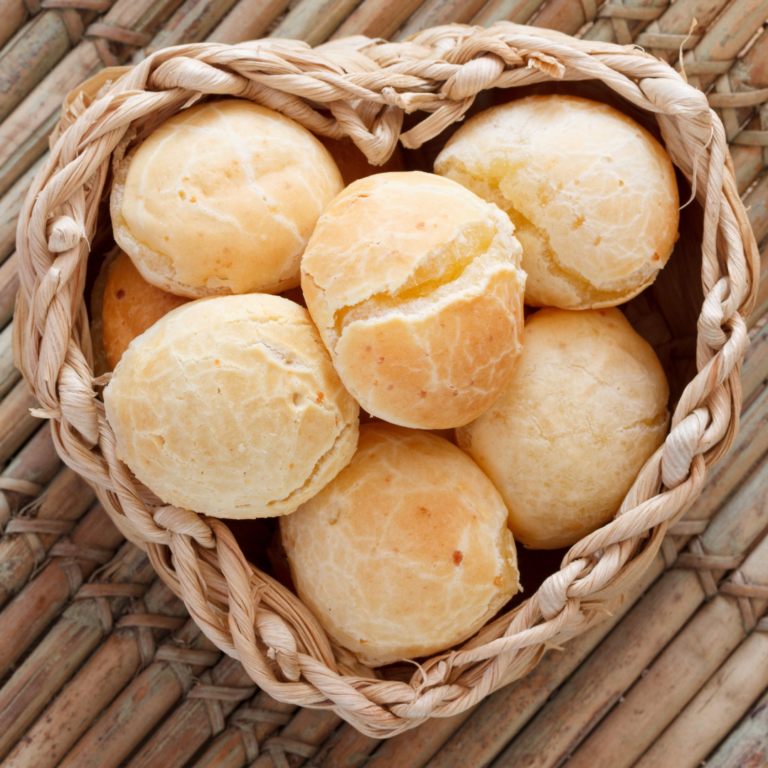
x: 367, y: 87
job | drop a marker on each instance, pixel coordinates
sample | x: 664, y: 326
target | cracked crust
x: 222, y: 199
x: 587, y: 406
x: 592, y: 195
x: 406, y: 552
x: 230, y: 406
x: 416, y: 288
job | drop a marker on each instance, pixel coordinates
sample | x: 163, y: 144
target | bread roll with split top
x: 415, y: 286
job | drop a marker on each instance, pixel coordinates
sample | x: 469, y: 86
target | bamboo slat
x: 433, y: 13
x: 28, y: 58
x: 193, y: 20
x: 10, y: 205
x: 9, y: 286
x: 75, y: 558
x: 730, y: 32
x: 754, y: 373
x: 605, y: 677
x: 24, y: 133
x: 235, y: 747
x: 518, y: 11
x: 314, y: 20
x: 66, y: 646
x: 756, y: 201
x: 664, y: 36
x: 14, y: 13
x: 761, y: 305
x: 748, y: 161
x: 113, y: 665
x: 300, y: 739
x: 66, y: 500
x: 249, y: 740
x: 16, y: 422
x: 746, y: 747
x: 716, y: 708
x: 199, y: 717
x: 565, y: 15
x: 36, y: 463
x: 248, y: 20
x: 624, y: 28
x: 349, y: 748
x: 9, y: 374
x: 676, y: 676
x: 751, y: 445
x: 739, y: 93
x: 144, y: 702
x: 376, y: 19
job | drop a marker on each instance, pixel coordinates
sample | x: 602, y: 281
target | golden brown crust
x: 231, y: 407
x: 592, y: 194
x: 586, y: 407
x: 131, y: 306
x: 414, y: 284
x: 222, y: 199
x: 406, y: 552
x: 396, y: 355
x: 100, y: 364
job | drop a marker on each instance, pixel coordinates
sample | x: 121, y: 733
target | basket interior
x: 665, y: 314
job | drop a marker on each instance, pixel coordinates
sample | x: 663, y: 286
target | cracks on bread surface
x: 199, y: 246
x: 388, y: 270
x: 591, y: 296
x: 422, y: 309
x: 258, y: 189
x: 499, y: 184
x: 405, y: 513
x: 305, y: 490
x: 442, y: 266
x: 272, y: 401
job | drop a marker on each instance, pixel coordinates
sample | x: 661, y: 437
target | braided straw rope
x: 363, y: 88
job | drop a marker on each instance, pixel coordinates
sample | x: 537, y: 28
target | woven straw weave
x: 363, y: 89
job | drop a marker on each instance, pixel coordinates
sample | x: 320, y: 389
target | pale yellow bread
x: 222, y: 199
x: 586, y: 407
x: 406, y: 552
x: 592, y: 195
x: 230, y: 406
x: 415, y: 286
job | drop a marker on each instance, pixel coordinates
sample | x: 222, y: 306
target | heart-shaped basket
x: 366, y: 89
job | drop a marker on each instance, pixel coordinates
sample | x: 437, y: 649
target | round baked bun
x: 131, y: 305
x: 222, y: 199
x: 230, y: 406
x: 586, y: 408
x: 592, y: 195
x: 415, y: 286
x: 406, y: 552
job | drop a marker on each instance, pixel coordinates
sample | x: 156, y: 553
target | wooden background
x: 100, y: 665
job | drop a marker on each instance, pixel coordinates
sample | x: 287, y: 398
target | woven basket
x: 364, y: 89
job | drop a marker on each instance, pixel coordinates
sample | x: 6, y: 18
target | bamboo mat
x: 100, y: 665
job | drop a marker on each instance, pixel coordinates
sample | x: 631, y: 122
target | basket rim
x: 368, y: 86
